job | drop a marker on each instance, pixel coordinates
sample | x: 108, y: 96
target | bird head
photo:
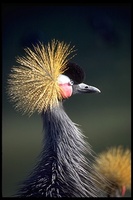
x: 71, y: 82
x: 44, y: 77
x: 115, y: 165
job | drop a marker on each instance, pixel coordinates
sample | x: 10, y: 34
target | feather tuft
x: 115, y: 165
x: 32, y: 85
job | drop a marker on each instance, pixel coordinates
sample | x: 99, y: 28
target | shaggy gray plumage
x: 62, y: 170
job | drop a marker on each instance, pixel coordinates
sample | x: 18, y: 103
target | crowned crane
x: 41, y: 82
x: 115, y: 164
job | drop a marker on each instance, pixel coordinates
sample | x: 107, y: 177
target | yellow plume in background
x: 115, y: 165
x: 32, y: 85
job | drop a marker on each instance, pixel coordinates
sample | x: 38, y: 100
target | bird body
x: 41, y: 82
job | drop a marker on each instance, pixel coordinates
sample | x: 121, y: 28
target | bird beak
x: 83, y: 88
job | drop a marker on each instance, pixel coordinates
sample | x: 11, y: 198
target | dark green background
x: 102, y: 37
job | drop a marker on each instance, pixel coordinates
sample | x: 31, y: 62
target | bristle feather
x: 115, y: 165
x: 32, y: 85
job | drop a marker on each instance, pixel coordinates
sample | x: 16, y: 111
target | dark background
x: 102, y: 36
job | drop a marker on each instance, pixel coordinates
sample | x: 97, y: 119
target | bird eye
x: 71, y: 82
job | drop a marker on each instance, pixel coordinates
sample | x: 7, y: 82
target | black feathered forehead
x: 75, y: 72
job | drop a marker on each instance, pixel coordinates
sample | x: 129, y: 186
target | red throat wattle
x: 65, y: 86
x: 123, y: 190
x: 66, y: 90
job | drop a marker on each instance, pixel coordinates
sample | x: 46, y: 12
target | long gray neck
x: 62, y: 169
x: 63, y: 136
x: 65, y: 142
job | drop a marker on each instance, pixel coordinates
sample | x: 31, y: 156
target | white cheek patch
x: 63, y: 79
x: 65, y: 86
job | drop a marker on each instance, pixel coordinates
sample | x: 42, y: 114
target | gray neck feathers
x: 62, y: 169
x: 64, y: 141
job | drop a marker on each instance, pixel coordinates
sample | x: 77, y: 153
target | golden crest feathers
x: 32, y: 85
x: 115, y: 165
